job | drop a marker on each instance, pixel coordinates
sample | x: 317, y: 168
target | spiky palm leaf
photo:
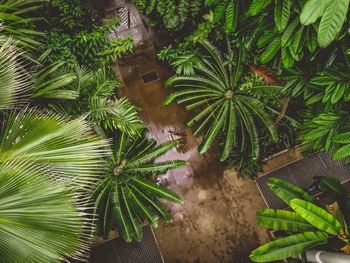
x: 15, y: 15
x: 70, y: 148
x: 125, y: 197
x: 227, y: 106
x: 14, y: 79
x: 40, y: 220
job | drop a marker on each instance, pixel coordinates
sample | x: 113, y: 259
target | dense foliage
x: 75, y: 34
x: 58, y: 93
x: 174, y: 14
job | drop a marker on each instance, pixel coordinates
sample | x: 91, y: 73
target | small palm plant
x: 227, y: 105
x: 94, y: 96
x: 125, y: 197
x: 312, y: 223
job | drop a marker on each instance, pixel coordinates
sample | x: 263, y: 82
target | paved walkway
x: 218, y: 221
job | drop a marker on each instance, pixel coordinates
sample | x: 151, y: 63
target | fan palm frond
x: 70, y: 148
x: 15, y: 81
x: 40, y: 220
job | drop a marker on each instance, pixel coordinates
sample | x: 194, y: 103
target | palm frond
x: 70, y: 148
x: 15, y: 81
x: 41, y: 220
x: 119, y: 114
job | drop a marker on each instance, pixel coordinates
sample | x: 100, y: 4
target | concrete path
x: 218, y: 221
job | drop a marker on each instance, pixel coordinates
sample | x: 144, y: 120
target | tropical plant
x: 225, y: 9
x: 174, y: 14
x: 92, y: 93
x: 18, y: 21
x: 126, y: 197
x: 291, y: 38
x: 333, y: 15
x: 229, y: 104
x: 40, y: 219
x: 243, y: 164
x: 69, y: 148
x: 310, y: 220
x: 15, y: 80
x: 76, y: 34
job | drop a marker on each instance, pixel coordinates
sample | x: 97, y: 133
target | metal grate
x: 300, y: 173
x: 117, y: 251
x: 149, y: 77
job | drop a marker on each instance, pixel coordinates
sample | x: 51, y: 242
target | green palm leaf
x: 288, y: 246
x: 153, y: 154
x: 332, y: 21
x: 316, y: 216
x: 287, y: 191
x: 40, y: 220
x: 70, y: 148
x: 283, y: 220
x: 313, y: 10
x: 15, y: 80
x: 157, y: 190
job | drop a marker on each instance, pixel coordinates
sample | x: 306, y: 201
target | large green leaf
x: 332, y: 21
x: 69, y: 148
x: 313, y: 10
x: 40, y: 219
x: 282, y: 13
x: 283, y: 220
x: 214, y: 129
x: 316, y: 216
x: 287, y: 191
x: 341, y: 138
x: 288, y: 246
x: 257, y: 6
x: 342, y: 153
x: 271, y: 50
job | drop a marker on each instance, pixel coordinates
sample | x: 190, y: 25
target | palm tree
x: 227, y: 104
x: 91, y: 93
x: 125, y: 196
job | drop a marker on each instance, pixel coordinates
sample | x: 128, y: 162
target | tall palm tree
x: 227, y: 105
x: 125, y: 197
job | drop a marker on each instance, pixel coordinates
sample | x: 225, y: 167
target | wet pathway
x: 218, y: 221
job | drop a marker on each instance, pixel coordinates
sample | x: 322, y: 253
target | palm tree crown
x: 227, y: 104
x: 125, y: 197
